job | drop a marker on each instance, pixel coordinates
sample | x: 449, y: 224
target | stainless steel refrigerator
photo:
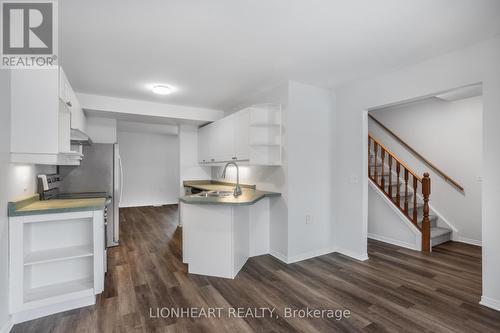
x: 99, y: 171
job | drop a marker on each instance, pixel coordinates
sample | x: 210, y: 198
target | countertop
x: 249, y: 196
x: 33, y: 206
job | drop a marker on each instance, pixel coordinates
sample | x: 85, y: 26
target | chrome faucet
x: 237, y: 189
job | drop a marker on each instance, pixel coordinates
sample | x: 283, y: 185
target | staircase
x: 407, y: 191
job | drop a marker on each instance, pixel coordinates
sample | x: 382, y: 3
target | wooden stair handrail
x: 403, y: 164
x: 417, y: 154
x: 395, y: 198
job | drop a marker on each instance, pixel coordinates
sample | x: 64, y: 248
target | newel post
x: 426, y: 223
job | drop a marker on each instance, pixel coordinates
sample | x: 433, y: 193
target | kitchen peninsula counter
x: 249, y: 196
x: 219, y: 233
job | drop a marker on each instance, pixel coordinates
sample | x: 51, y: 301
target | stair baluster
x: 415, y: 212
x: 369, y: 156
x: 398, y: 191
x: 425, y: 227
x: 426, y: 223
x: 389, y: 158
x: 382, y: 179
x: 406, y: 191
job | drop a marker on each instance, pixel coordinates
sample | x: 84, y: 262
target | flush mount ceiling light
x: 161, y: 89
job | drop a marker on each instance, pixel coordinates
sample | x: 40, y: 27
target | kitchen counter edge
x: 21, y: 207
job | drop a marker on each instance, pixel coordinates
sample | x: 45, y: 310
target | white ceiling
x: 216, y: 52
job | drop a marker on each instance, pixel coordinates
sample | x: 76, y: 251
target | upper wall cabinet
x: 251, y: 135
x: 41, y: 118
x: 68, y: 97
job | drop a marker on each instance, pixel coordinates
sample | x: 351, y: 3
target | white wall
x: 387, y: 224
x: 101, y: 130
x: 22, y: 179
x: 449, y: 134
x: 310, y: 168
x: 150, y: 168
x: 4, y: 195
x: 16, y: 181
x: 270, y: 178
x: 475, y: 64
x: 189, y: 169
x: 304, y: 177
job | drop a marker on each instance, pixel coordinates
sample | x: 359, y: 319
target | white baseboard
x: 148, y: 204
x: 317, y: 253
x: 470, y: 241
x: 354, y: 255
x: 27, y: 315
x: 394, y: 241
x: 7, y: 326
x: 310, y: 255
x: 490, y: 302
x: 279, y: 256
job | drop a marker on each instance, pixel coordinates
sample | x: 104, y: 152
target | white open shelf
x: 52, y: 274
x: 81, y: 286
x: 265, y: 135
x: 59, y: 254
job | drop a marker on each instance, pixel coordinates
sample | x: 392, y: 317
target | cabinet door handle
x: 212, y: 159
x: 68, y: 103
x: 235, y: 158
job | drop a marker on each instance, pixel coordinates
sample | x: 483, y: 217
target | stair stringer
x: 442, y: 221
x: 415, y: 244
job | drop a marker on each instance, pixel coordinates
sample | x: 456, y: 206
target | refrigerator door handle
x: 121, y: 179
x: 115, y: 224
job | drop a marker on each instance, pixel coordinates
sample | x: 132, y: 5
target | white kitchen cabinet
x: 40, y: 119
x: 214, y: 144
x: 204, y: 144
x: 68, y: 97
x: 251, y: 135
x: 223, y: 139
x: 217, y: 240
x: 56, y: 262
x: 240, y: 135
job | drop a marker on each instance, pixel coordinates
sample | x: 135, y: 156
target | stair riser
x: 433, y: 223
x: 440, y: 239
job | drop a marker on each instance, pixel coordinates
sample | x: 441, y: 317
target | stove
x: 82, y: 195
x: 48, y: 189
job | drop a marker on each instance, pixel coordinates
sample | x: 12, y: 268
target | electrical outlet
x: 354, y: 179
x: 309, y: 219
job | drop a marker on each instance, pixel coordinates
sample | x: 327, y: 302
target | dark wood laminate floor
x: 397, y: 290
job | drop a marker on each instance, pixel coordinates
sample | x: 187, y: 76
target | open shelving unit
x: 265, y: 135
x: 60, y: 291
x: 56, y: 261
x: 58, y: 254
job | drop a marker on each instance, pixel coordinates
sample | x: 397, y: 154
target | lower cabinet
x: 217, y: 240
x: 56, y: 262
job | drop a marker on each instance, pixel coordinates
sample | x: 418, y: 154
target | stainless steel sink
x: 217, y: 194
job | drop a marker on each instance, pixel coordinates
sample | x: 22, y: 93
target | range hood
x: 80, y: 138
